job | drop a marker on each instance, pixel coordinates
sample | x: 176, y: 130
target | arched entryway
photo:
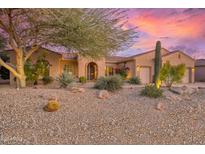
x: 92, y: 71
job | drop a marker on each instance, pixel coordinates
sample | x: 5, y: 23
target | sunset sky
x: 182, y: 29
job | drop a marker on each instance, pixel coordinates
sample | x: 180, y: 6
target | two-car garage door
x: 186, y: 78
x: 145, y: 75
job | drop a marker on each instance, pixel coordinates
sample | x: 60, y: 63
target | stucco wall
x: 179, y: 58
x: 83, y: 63
x: 52, y: 57
x: 147, y: 60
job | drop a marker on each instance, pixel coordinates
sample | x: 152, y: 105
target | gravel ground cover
x: 124, y: 118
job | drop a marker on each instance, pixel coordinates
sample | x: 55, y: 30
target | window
x: 68, y: 68
x: 109, y: 71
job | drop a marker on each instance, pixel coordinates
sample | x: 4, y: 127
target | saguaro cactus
x: 157, y: 63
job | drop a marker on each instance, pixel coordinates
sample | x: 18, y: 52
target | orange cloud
x: 170, y: 26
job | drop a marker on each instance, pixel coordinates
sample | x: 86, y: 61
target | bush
x: 134, y: 80
x: 110, y: 83
x: 36, y: 71
x: 123, y: 72
x: 30, y: 71
x: 172, y: 74
x: 53, y: 105
x: 47, y: 80
x: 82, y: 79
x: 151, y: 90
x: 65, y: 79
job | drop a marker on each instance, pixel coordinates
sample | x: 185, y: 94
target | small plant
x: 47, y: 80
x: 172, y: 74
x: 110, y: 83
x: 151, y: 90
x: 65, y: 79
x: 123, y: 72
x: 134, y: 80
x: 53, y: 105
x: 82, y: 79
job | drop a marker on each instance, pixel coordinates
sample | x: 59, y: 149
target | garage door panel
x: 145, y: 75
x: 186, y: 77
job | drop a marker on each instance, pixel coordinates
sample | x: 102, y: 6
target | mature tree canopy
x: 90, y: 32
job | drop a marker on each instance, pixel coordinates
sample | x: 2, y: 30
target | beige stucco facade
x: 141, y: 65
x: 83, y: 66
x: 77, y: 66
x: 52, y: 57
x: 181, y: 58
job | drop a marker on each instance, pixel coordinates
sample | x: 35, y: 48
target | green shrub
x: 172, y: 74
x: 31, y: 75
x: 42, y: 67
x: 36, y: 71
x: 65, y: 79
x: 82, y: 79
x: 151, y: 90
x: 123, y: 72
x: 110, y: 83
x: 134, y: 80
x: 47, y: 80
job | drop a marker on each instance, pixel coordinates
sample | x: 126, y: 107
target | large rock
x: 184, y: 90
x: 171, y: 96
x: 103, y: 94
x: 160, y: 106
x: 77, y: 90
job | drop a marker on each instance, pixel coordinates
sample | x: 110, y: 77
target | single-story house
x: 200, y: 70
x: 141, y: 65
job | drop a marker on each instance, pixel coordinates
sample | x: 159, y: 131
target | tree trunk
x: 20, y: 69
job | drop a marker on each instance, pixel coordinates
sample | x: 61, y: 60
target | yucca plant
x: 110, y: 83
x: 65, y: 79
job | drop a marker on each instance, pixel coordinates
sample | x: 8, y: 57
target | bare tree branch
x: 30, y: 52
x: 9, y: 68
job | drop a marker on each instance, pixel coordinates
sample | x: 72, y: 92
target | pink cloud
x: 173, y: 27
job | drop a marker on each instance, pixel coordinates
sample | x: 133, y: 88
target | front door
x: 92, y: 71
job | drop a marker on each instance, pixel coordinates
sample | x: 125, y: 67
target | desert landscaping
x: 123, y: 117
x: 64, y: 80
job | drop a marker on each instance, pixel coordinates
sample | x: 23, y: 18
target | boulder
x: 103, y: 94
x: 160, y: 106
x: 184, y: 90
x: 81, y: 90
x: 171, y: 96
x: 77, y: 90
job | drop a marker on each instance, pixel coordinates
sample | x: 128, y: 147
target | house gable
x: 178, y: 57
